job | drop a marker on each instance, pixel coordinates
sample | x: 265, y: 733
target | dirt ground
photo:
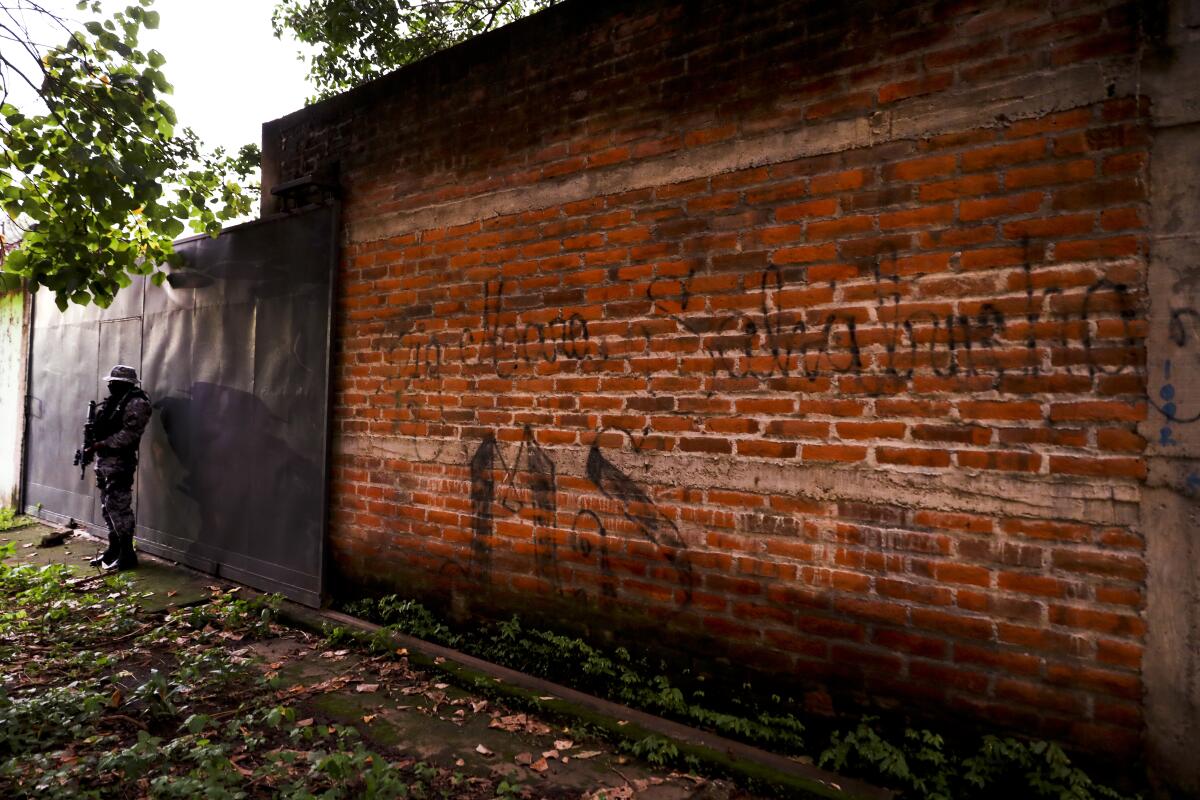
x: 185, y: 658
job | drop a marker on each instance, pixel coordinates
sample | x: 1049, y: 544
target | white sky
x: 229, y: 71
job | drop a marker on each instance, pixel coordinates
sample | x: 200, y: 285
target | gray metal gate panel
x: 65, y: 373
x: 234, y: 353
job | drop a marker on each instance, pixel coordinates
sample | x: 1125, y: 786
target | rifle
x: 83, y: 456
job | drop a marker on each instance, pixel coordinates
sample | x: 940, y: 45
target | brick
x: 911, y: 643
x: 961, y: 434
x: 966, y: 574
x: 1062, y: 225
x: 1063, y: 121
x: 833, y: 452
x: 1049, y: 174
x: 757, y: 448
x: 1003, y: 155
x: 921, y: 168
x: 1046, y: 529
x: 1007, y: 206
x: 918, y: 217
x: 902, y: 90
x: 1096, y: 620
x: 1112, y: 565
x: 1098, y: 467
x: 1005, y: 460
x: 870, y: 430
x: 955, y: 625
x: 837, y: 182
x: 912, y: 456
x: 1098, y: 411
x: 705, y: 445
x: 1115, y: 683
x: 1032, y: 584
x: 826, y: 207
x: 972, y: 186
x: 1000, y: 410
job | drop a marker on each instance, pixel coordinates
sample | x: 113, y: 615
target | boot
x: 125, y: 558
x: 109, y: 553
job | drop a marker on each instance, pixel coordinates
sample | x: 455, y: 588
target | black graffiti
x: 533, y: 473
x: 533, y: 467
x: 483, y: 495
x: 815, y: 343
x: 774, y: 340
x: 637, y: 507
x: 582, y: 545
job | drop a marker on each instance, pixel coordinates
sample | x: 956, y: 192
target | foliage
x: 82, y: 716
x: 102, y: 182
x: 922, y: 765
x: 9, y: 519
x: 917, y: 761
x: 357, y: 40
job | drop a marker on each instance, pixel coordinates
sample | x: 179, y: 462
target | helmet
x: 124, y: 374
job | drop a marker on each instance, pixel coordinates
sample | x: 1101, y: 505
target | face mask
x: 118, y: 388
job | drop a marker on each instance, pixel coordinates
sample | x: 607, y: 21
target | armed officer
x: 120, y: 420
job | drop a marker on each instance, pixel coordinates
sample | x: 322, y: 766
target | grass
x: 916, y: 761
x: 11, y: 520
x: 99, y: 699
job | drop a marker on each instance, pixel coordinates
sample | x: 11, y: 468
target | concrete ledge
x: 735, y: 758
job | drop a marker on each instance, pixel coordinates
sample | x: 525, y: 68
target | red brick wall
x: 802, y: 336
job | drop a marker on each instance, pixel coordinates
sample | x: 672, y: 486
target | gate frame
x: 314, y: 599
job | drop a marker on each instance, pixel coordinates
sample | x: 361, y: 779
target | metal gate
x: 234, y: 352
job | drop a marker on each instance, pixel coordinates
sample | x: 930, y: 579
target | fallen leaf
x: 550, y: 754
x: 563, y: 744
x: 115, y: 700
x: 622, y: 722
x: 540, y: 765
x: 458, y: 762
x: 524, y: 759
x: 304, y: 723
x: 367, y: 688
x: 369, y: 717
x: 402, y: 651
x: 478, y: 707
x: 275, y: 665
x: 482, y: 750
x: 172, y: 593
x: 441, y: 686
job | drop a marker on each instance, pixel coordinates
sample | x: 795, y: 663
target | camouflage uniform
x: 119, y: 425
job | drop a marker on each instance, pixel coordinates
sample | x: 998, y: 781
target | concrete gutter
x: 744, y: 761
